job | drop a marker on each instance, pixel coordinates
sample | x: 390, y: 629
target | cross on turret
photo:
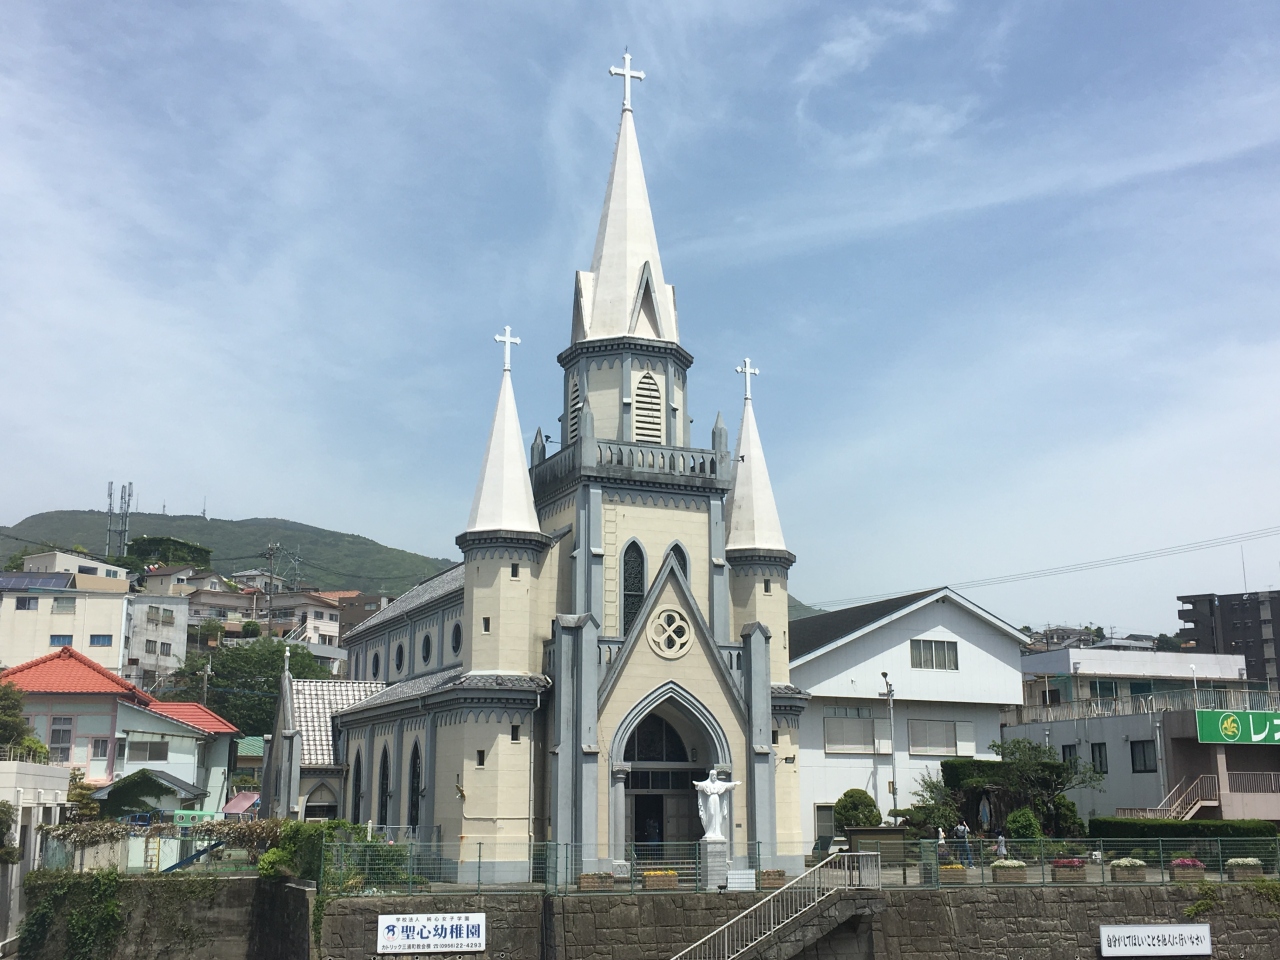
x: 506, y: 339
x: 747, y: 372
x: 627, y: 75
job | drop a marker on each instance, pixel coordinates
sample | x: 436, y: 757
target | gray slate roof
x: 452, y: 678
x: 314, y: 704
x: 183, y: 790
x: 441, y: 584
x: 814, y: 632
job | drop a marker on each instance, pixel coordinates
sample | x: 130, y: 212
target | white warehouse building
x: 952, y: 665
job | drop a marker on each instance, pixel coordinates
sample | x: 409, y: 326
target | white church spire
x: 624, y: 293
x: 753, y: 514
x: 504, y: 496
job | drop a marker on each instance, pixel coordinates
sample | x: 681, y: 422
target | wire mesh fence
x: 935, y: 863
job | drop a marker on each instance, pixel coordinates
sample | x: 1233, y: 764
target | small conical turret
x: 538, y: 451
x: 504, y: 496
x: 753, y: 514
x: 719, y: 435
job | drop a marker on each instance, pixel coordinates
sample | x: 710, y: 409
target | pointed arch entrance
x: 666, y: 742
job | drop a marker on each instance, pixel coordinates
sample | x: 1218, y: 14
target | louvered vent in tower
x: 648, y: 410
x: 574, y: 403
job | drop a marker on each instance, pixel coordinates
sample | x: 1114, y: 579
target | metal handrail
x: 1177, y: 805
x: 840, y: 871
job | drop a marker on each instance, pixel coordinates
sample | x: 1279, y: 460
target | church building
x: 617, y: 629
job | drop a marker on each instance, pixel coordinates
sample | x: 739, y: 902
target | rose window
x: 669, y: 634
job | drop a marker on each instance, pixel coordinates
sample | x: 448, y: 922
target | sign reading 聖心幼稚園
x: 1237, y: 726
x: 431, y: 933
x: 1156, y: 940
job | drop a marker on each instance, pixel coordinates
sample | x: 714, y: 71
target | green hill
x: 330, y: 560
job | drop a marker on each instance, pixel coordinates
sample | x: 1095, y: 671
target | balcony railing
x: 1202, y: 699
x: 1246, y: 782
x: 682, y: 466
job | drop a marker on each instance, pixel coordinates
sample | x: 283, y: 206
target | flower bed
x: 771, y: 879
x: 1128, y: 870
x: 1008, y: 871
x: 1244, y: 868
x: 596, y: 882
x: 951, y: 873
x: 660, y: 879
x: 1068, y: 870
x: 1187, y: 869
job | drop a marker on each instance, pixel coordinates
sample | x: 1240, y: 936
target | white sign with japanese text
x: 431, y: 933
x: 1157, y: 940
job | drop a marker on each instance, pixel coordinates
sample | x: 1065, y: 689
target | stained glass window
x: 632, y: 585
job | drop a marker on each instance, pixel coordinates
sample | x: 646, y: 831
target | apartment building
x: 1234, y: 623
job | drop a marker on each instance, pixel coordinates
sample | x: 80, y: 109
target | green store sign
x: 1237, y: 726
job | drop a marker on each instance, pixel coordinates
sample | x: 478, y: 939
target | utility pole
x: 270, y: 554
x: 204, y: 692
x: 893, y: 753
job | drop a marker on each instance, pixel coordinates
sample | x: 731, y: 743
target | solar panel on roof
x: 34, y: 581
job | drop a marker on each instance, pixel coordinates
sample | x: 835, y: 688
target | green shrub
x: 1022, y: 824
x: 1102, y: 828
x: 856, y: 808
x: 275, y: 863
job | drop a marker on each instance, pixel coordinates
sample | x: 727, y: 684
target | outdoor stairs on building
x: 798, y: 914
x: 1183, y: 802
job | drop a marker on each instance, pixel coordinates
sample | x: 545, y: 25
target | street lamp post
x: 893, y: 753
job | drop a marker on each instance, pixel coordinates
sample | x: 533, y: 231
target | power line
x: 1260, y: 534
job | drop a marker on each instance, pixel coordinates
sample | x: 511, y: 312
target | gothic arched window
x: 357, y: 788
x: 415, y: 785
x: 682, y: 559
x: 655, y: 741
x: 384, y: 788
x: 647, y: 410
x: 632, y: 585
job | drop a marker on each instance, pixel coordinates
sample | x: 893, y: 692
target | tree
x: 209, y: 629
x: 934, y: 805
x: 13, y: 728
x: 251, y: 628
x: 1168, y: 644
x: 1023, y: 824
x: 1100, y: 633
x: 856, y: 808
x: 244, y: 681
x: 1034, y: 777
x: 81, y: 795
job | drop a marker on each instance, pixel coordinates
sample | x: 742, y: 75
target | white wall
x: 989, y: 676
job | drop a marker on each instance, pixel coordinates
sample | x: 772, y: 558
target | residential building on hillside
x: 41, y: 610
x: 38, y: 793
x: 89, y: 570
x: 184, y: 579
x: 97, y: 722
x: 302, y: 770
x: 952, y: 666
x: 309, y: 618
x: 155, y: 637
x: 1234, y: 623
x: 359, y: 607
x: 262, y: 580
x: 1152, y: 724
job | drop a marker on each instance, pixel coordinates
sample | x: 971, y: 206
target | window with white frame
x: 940, y: 738
x: 854, y: 730
x: 934, y: 655
x: 64, y: 604
x: 60, y: 739
x: 148, y: 751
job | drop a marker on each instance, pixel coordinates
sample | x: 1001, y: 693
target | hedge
x: 1101, y: 828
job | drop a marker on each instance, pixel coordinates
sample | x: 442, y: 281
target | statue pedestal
x: 714, y: 855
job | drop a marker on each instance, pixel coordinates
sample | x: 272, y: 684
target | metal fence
x: 382, y: 863
x: 934, y: 863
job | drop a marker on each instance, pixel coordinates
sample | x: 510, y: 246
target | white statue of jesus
x: 711, y: 808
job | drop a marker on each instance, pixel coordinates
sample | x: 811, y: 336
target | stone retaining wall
x: 1061, y: 923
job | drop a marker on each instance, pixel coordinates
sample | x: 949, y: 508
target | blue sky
x: 1010, y: 269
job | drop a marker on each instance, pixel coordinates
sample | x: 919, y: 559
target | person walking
x: 1002, y: 849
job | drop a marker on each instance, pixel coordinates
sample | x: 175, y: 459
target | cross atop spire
x: 506, y: 339
x: 627, y: 75
x: 747, y: 372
